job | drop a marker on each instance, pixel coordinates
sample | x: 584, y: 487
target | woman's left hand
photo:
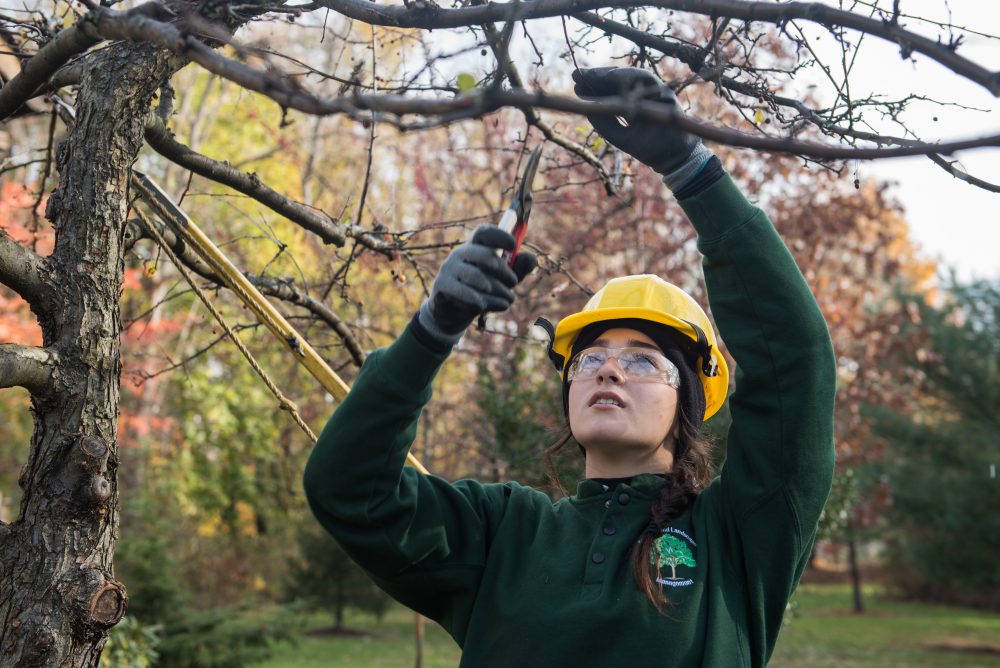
x: 665, y: 149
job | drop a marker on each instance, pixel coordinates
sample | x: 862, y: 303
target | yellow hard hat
x: 649, y: 297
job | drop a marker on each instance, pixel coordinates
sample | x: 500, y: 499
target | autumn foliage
x: 17, y: 203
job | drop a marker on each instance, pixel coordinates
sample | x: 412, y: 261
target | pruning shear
x: 514, y: 220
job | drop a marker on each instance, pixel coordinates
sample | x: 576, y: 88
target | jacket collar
x: 642, y: 485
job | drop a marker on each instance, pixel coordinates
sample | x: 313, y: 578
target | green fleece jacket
x: 518, y: 580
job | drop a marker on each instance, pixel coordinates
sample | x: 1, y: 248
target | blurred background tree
x: 943, y: 526
x: 325, y: 578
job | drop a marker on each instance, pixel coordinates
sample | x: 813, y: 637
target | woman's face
x: 618, y: 416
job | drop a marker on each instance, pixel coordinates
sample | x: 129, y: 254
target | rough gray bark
x: 21, y: 270
x: 27, y: 367
x: 58, y: 597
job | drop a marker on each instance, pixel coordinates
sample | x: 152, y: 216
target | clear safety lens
x: 636, y: 363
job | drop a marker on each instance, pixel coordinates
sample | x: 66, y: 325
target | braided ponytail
x: 690, y: 475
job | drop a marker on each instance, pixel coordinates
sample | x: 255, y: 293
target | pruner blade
x: 515, y: 218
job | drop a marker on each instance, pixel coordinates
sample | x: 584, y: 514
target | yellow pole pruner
x: 245, y: 290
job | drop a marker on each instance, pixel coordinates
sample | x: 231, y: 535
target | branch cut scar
x: 108, y: 604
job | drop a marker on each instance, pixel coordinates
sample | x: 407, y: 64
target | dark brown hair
x: 691, y: 473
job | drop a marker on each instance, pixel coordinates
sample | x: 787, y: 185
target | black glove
x: 472, y: 280
x: 667, y: 150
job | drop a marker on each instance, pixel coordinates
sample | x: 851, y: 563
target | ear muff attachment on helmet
x: 709, y: 365
x: 558, y: 360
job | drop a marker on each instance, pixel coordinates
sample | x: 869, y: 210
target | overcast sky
x: 952, y: 220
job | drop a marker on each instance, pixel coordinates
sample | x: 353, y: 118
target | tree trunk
x: 338, y: 624
x: 419, y: 624
x: 852, y: 556
x: 58, y: 595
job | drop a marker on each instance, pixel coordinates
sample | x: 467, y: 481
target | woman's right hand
x: 473, y: 280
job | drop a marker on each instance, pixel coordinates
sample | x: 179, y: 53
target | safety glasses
x: 638, y: 364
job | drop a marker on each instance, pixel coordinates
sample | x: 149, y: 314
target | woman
x: 649, y: 563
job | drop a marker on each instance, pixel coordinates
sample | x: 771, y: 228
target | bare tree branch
x: 431, y: 17
x: 69, y: 75
x: 28, y: 367
x: 949, y: 166
x: 286, y: 291
x: 22, y: 271
x: 42, y: 65
x: 371, y: 143
x: 162, y: 140
x: 135, y: 231
x: 289, y: 95
x: 694, y: 58
x: 68, y: 43
x: 385, y: 107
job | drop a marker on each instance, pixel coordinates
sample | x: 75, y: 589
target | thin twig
x: 371, y: 142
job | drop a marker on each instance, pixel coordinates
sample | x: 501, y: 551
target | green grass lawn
x: 821, y: 634
x: 890, y: 634
x: 388, y: 644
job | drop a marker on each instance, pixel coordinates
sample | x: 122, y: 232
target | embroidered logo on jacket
x: 671, y: 550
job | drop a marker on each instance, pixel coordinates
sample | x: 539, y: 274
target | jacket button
x: 607, y: 504
x: 623, y: 498
x: 609, y: 531
x: 597, y: 558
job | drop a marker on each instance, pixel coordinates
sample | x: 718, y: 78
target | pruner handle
x: 512, y: 224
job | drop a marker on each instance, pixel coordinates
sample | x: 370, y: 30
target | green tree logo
x: 669, y: 550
